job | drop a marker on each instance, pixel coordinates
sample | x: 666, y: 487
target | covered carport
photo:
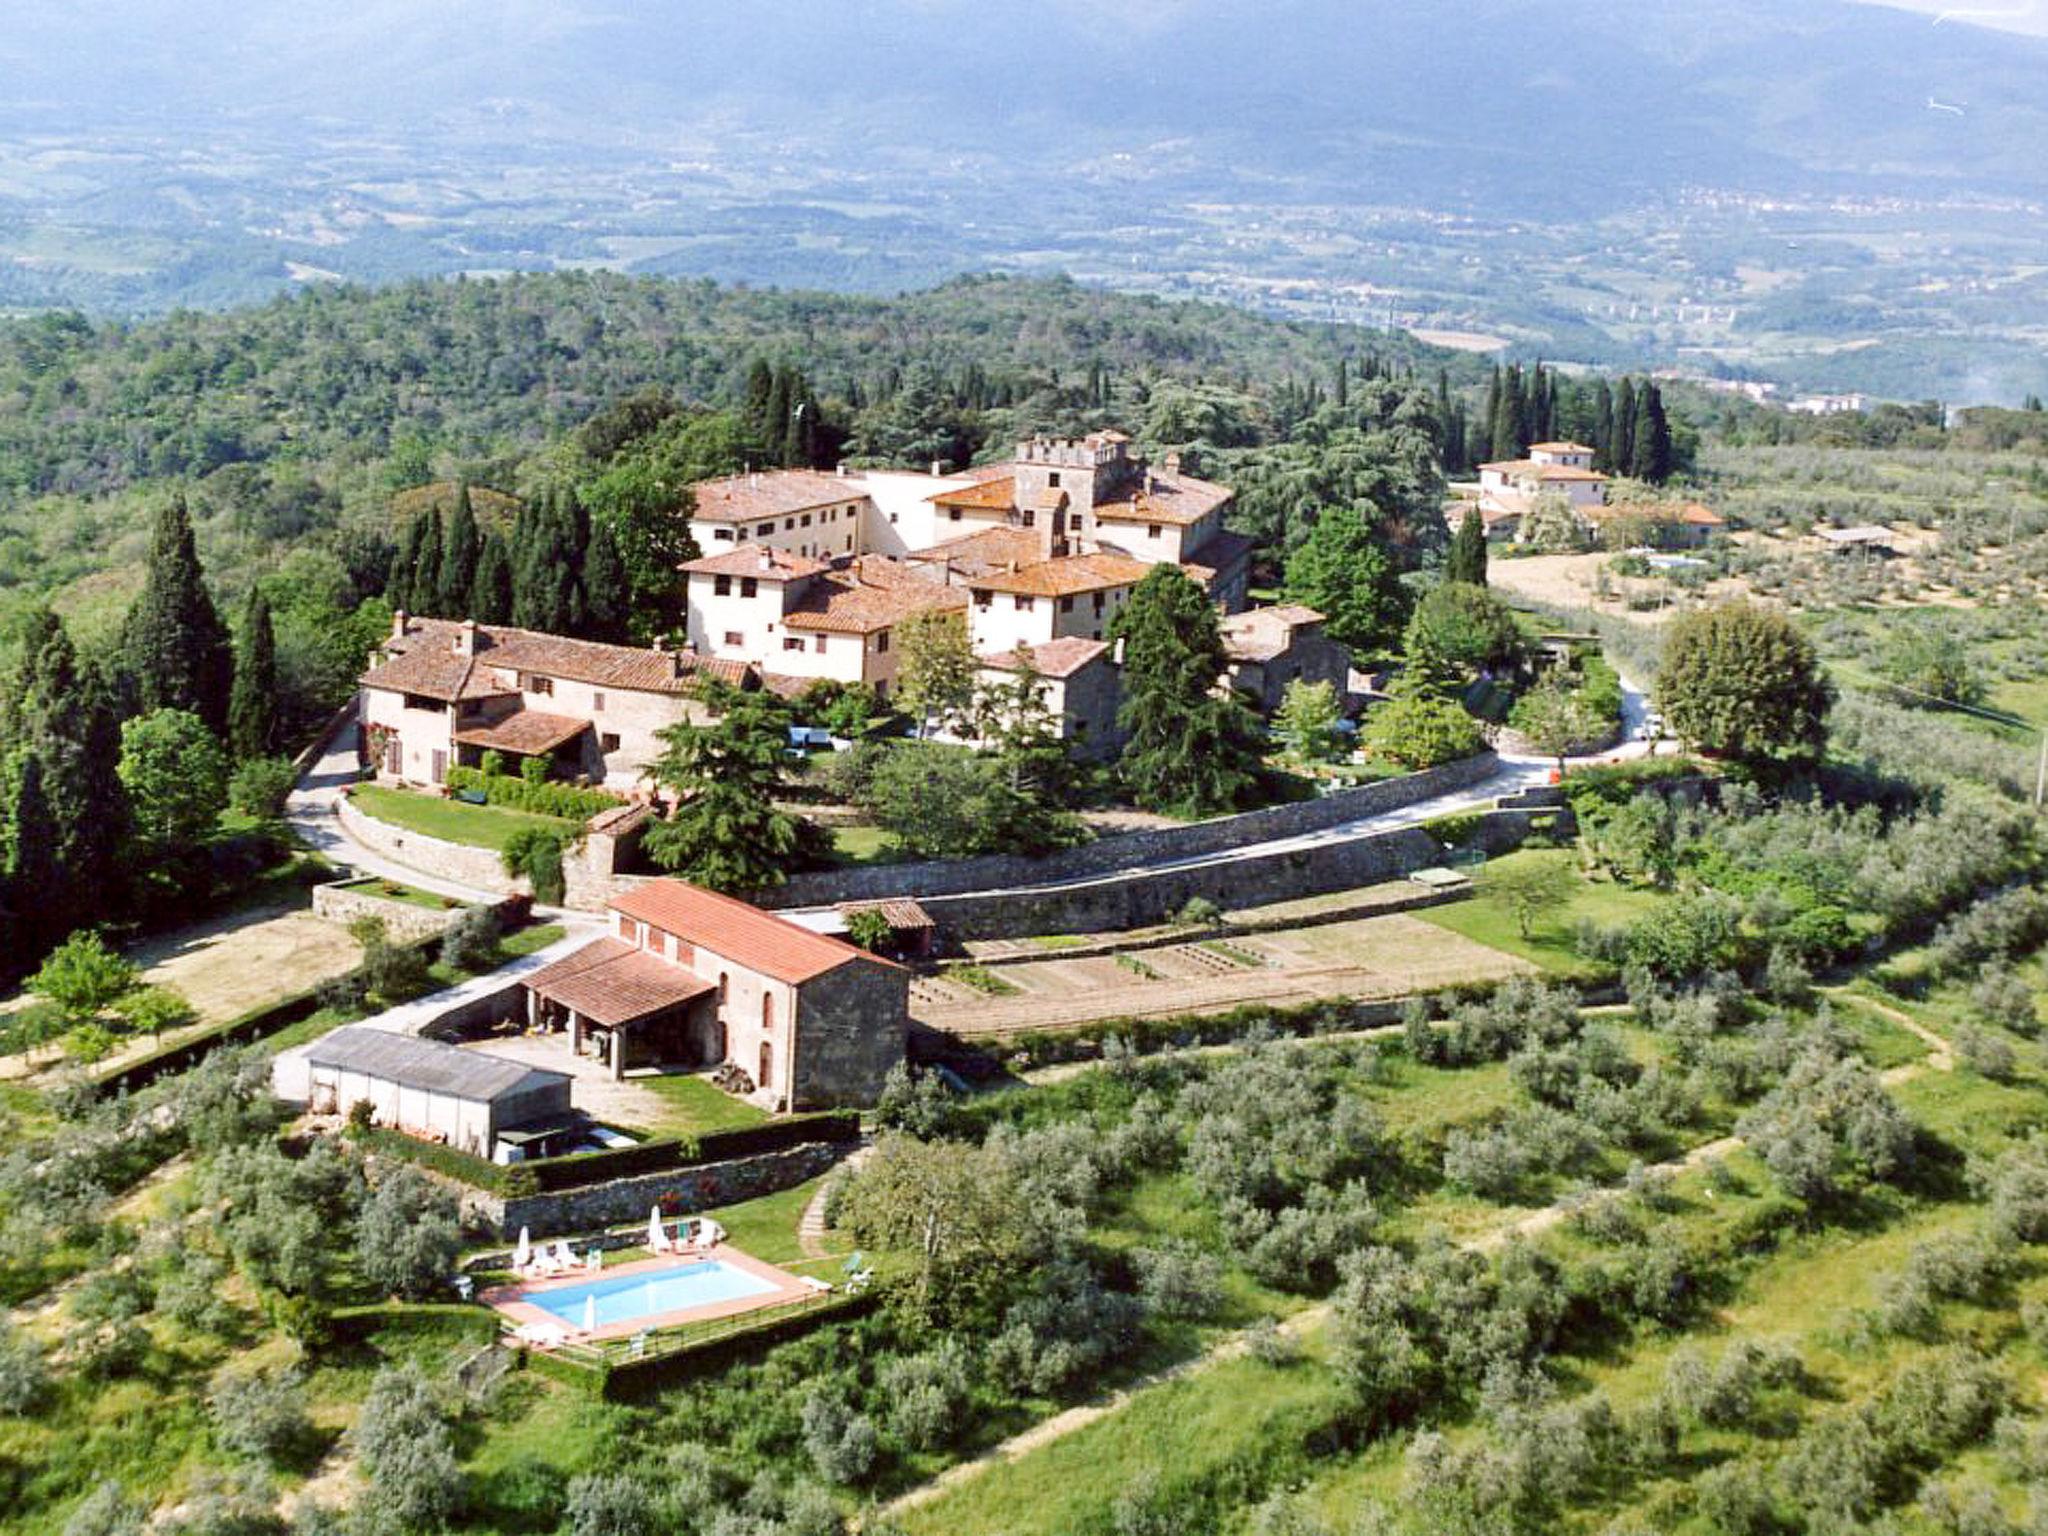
x: 627, y: 1008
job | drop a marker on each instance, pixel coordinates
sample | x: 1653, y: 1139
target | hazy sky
x: 2012, y: 15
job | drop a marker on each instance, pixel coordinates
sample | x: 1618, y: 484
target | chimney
x: 1117, y: 655
x: 842, y: 469
x: 1172, y: 463
x: 658, y: 644
x: 767, y: 560
x: 398, y: 622
x: 465, y: 638
x: 938, y: 468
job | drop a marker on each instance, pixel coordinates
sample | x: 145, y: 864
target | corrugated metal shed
x: 429, y: 1066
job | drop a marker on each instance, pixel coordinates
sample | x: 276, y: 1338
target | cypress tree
x: 1603, y: 426
x: 607, y: 592
x: 1508, y: 439
x: 775, y: 420
x: 1621, y: 452
x: 1490, y: 423
x: 1343, y: 382
x: 760, y: 385
x: 78, y: 815
x: 490, y: 596
x: 175, y: 646
x: 252, y: 706
x: 399, y: 590
x: 426, y: 575
x: 459, y: 550
x: 1651, y: 457
x: 35, y: 868
x: 1466, y: 561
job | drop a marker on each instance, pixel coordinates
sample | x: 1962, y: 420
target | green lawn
x: 1549, y: 944
x: 453, y: 821
x: 691, y: 1106
x: 392, y: 890
x: 863, y: 845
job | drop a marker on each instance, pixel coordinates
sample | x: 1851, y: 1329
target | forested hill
x: 299, y: 418
x: 481, y: 367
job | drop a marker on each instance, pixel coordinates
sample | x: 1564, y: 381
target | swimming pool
x: 628, y: 1298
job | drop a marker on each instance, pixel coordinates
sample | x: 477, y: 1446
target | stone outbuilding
x: 1268, y: 648
x: 689, y: 979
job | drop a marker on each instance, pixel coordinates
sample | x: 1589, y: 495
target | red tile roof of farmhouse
x: 990, y: 549
x: 995, y: 494
x: 1559, y: 448
x: 425, y: 661
x: 1691, y: 513
x: 525, y: 732
x: 871, y: 594
x: 899, y: 912
x: 771, y: 493
x: 1065, y: 577
x: 747, y: 936
x: 757, y: 560
x: 1544, y: 471
x: 1056, y: 659
x: 1175, y: 499
x: 1263, y: 633
x: 613, y: 982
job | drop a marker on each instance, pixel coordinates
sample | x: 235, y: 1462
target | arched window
x: 724, y: 986
x: 767, y: 1064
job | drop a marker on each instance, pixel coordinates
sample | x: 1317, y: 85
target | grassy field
x: 863, y: 845
x: 407, y: 895
x: 1549, y: 945
x: 453, y: 821
x: 691, y: 1106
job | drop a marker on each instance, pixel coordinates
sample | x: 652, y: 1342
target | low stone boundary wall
x: 588, y: 888
x: 678, y: 1191
x: 402, y: 920
x: 1111, y: 855
x: 1142, y: 898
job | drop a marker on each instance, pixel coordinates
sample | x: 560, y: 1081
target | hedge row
x: 547, y: 798
x: 664, y: 1154
x: 353, y: 1324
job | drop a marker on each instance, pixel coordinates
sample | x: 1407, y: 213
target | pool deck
x: 511, y: 1302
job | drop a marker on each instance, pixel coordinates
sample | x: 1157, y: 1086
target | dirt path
x: 1941, y: 1055
x: 1312, y: 1318
x: 810, y: 1227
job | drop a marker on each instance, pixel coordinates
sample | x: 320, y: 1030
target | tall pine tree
x: 490, y: 596
x: 252, y: 706
x: 174, y: 644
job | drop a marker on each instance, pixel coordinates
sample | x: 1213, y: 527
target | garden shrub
x: 538, y: 797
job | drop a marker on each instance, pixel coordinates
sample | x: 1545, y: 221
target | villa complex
x: 1562, y: 475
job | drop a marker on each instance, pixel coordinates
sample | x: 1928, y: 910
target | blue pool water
x: 627, y: 1298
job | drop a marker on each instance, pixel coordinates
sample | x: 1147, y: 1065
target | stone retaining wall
x: 1113, y: 855
x: 679, y: 1192
x: 1141, y: 898
x: 402, y: 920
x: 589, y: 887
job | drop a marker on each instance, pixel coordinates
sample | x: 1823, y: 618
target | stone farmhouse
x: 1082, y: 687
x: 1268, y: 648
x: 691, y: 979
x: 440, y: 694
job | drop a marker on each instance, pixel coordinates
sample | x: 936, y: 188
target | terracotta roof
x: 1559, y: 448
x: 436, y: 673
x: 757, y: 560
x: 871, y: 594
x: 990, y: 549
x: 998, y: 493
x: 1158, y: 498
x: 748, y: 937
x: 1520, y: 467
x: 612, y: 982
x: 1065, y: 576
x: 1260, y: 634
x: 1059, y: 659
x: 503, y: 649
x: 785, y: 685
x: 1691, y: 513
x: 526, y: 732
x: 771, y: 493
x: 620, y: 819
x: 899, y: 912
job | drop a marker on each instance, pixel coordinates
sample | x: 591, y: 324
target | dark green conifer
x: 174, y: 645
x: 460, y: 546
x: 252, y: 706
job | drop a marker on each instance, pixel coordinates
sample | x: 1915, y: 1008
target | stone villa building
x: 440, y: 694
x: 688, y: 978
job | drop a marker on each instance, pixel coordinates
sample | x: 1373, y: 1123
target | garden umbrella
x: 590, y: 1314
x: 657, y: 1239
x: 523, y: 1254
